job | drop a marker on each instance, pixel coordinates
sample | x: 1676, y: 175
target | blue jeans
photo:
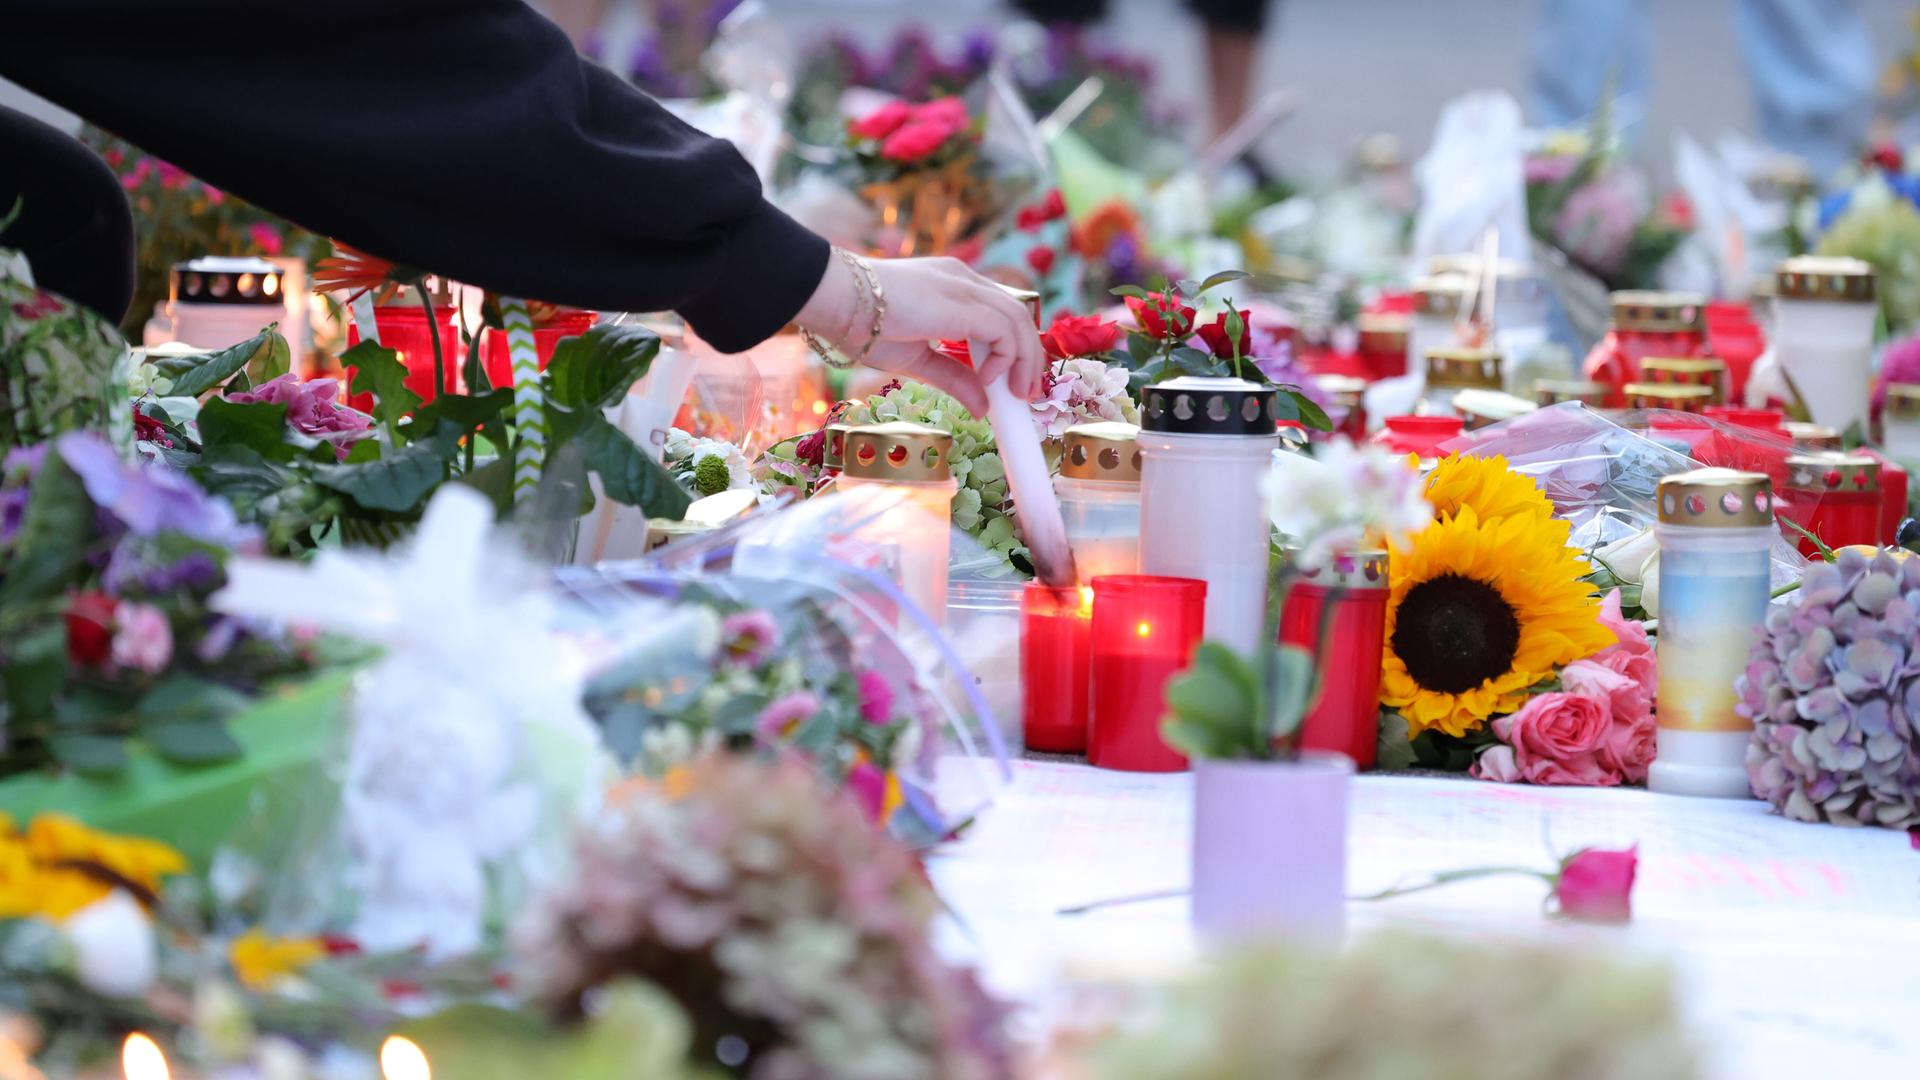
x: 1810, y: 63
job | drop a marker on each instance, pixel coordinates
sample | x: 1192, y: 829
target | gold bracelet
x: 869, y: 295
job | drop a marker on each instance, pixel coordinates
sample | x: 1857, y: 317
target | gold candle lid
x: 1707, y: 371
x: 1027, y: 298
x: 1808, y: 436
x: 1108, y: 450
x: 1383, y: 332
x: 1479, y: 407
x: 1555, y: 391
x: 1716, y: 499
x: 1829, y: 471
x: 1679, y: 396
x: 1461, y: 367
x: 1818, y: 277
x: 899, y: 451
x: 1440, y: 294
x: 1345, y: 390
x: 833, y: 454
x: 1358, y: 570
x: 1903, y: 401
x: 1656, y: 312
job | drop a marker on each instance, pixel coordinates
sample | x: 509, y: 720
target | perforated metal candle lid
x: 1210, y: 405
x: 1555, y: 391
x: 1717, y: 499
x: 1656, y: 312
x: 223, y: 280
x: 1682, y: 397
x: 1382, y: 332
x: 1440, y: 294
x: 1903, y: 401
x: 1107, y: 451
x: 1808, y: 436
x: 1831, y: 472
x: 1698, y: 370
x: 833, y: 453
x: 1459, y: 368
x: 1818, y: 277
x: 1358, y: 570
x: 900, y: 452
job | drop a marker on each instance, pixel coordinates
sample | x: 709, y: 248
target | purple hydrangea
x: 1833, y: 690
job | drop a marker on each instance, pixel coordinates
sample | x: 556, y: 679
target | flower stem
x: 1449, y: 877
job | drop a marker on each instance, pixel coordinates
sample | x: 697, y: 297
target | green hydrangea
x: 1883, y: 229
x: 981, y: 508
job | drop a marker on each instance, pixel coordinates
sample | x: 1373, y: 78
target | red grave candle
x: 404, y: 329
x: 498, y: 362
x: 1836, y: 497
x: 1145, y: 629
x: 1055, y: 653
x: 1346, y: 719
x: 1420, y: 435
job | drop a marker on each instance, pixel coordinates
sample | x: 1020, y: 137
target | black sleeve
x: 465, y: 137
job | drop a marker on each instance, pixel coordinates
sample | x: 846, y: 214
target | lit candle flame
x: 141, y: 1059
x: 402, y: 1059
x: 819, y: 408
x: 1086, y: 601
x: 1145, y: 629
x: 270, y: 284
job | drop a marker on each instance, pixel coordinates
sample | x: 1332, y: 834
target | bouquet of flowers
x: 920, y: 168
x: 1601, y: 211
x: 106, y: 635
x: 796, y: 939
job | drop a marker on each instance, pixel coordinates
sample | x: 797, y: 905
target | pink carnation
x: 313, y: 409
x: 784, y: 714
x: 876, y: 698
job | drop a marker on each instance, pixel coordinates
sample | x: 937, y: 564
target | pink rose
x: 313, y: 409
x: 1632, y: 633
x: 882, y: 122
x: 1626, y: 697
x: 265, y: 237
x: 914, y: 142
x: 1629, y: 747
x: 1555, y: 737
x: 1496, y: 763
x: 142, y: 638
x: 1597, y: 886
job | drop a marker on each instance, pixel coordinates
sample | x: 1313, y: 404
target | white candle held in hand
x: 1030, y: 485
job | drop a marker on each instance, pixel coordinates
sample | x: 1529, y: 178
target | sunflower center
x: 1454, y: 633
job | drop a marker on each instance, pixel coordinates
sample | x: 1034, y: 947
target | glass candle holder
x: 497, y: 360
x: 1644, y: 324
x: 904, y: 468
x: 1420, y: 435
x: 1763, y: 420
x: 1677, y: 397
x: 1812, y: 437
x: 216, y: 302
x: 1056, y: 627
x: 1384, y: 338
x: 1823, y: 316
x: 404, y: 329
x: 1206, y: 444
x: 1451, y: 370
x: 1479, y: 408
x: 1715, y: 526
x: 1144, y: 631
x: 1099, y: 489
x: 984, y: 625
x: 1734, y: 337
x: 1346, y: 404
x: 1834, y: 496
x: 1900, y: 424
x: 1893, y: 492
x: 1436, y: 308
x: 1550, y: 392
x: 1346, y: 720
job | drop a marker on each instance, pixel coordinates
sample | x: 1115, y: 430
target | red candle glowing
x: 1836, y: 497
x: 1145, y: 629
x: 1346, y: 719
x: 1055, y: 653
x: 404, y: 329
x: 498, y: 363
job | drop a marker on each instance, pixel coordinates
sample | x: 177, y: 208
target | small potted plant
x: 1269, y: 819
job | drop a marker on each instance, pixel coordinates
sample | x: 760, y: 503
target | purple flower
x: 133, y: 568
x: 747, y: 637
x: 151, y: 498
x: 782, y: 715
x: 24, y: 461
x: 1549, y: 168
x: 313, y: 409
x: 876, y: 698
x: 13, y: 512
x: 219, y: 639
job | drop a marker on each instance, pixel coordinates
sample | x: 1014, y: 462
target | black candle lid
x: 1210, y: 405
x: 215, y: 279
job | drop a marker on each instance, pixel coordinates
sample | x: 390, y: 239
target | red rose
x: 1056, y: 205
x: 1597, y: 886
x: 90, y: 628
x: 1887, y: 156
x: 1041, y: 259
x: 1080, y: 335
x: 812, y: 448
x: 882, y: 122
x: 1161, y: 315
x: 1218, y: 343
x: 913, y: 142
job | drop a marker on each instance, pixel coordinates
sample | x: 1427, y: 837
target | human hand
x: 929, y: 299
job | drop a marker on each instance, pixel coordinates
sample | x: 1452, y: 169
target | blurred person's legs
x: 1812, y: 68
x: 1578, y: 46
x: 1233, y: 43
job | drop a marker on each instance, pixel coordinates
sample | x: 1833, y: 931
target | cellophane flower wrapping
x: 790, y: 635
x: 1604, y: 478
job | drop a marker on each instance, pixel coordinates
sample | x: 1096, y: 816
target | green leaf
x: 399, y: 480
x: 1221, y: 278
x: 495, y: 481
x: 1291, y: 405
x: 463, y: 411
x: 1142, y: 349
x: 259, y: 426
x: 378, y: 371
x: 635, y: 1030
x: 626, y: 473
x: 51, y: 544
x: 1395, y: 750
x: 596, y: 369
x: 1826, y: 553
x: 268, y: 364
x: 33, y: 668
x: 193, y: 742
x: 185, y: 699
x: 1134, y: 291
x: 94, y: 755
x: 214, y: 369
x: 1194, y: 362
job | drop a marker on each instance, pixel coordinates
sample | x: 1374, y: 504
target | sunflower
x: 1479, y: 610
x: 1488, y: 485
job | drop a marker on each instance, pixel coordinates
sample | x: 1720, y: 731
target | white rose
x: 1626, y: 558
x: 113, y: 946
x: 1650, y: 585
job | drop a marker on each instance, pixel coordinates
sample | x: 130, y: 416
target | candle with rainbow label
x: 1715, y: 529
